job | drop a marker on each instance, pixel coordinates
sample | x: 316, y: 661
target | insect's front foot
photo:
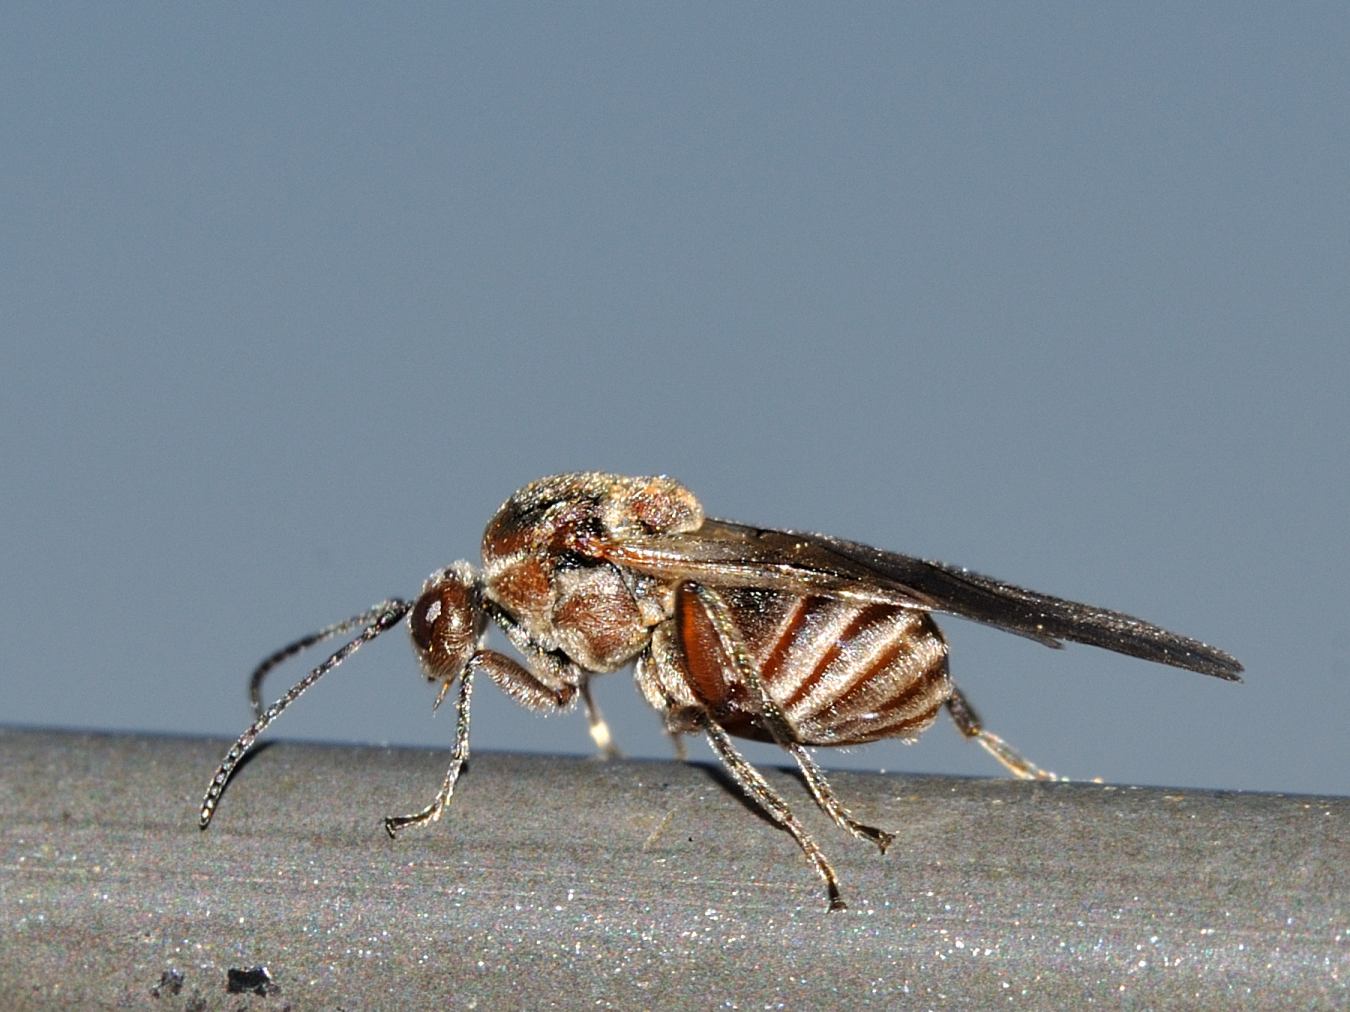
x: 880, y: 837
x: 394, y: 823
x: 836, y: 901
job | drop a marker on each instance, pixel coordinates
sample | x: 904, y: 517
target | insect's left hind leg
x: 829, y: 801
x: 753, y: 783
x: 968, y: 721
x: 780, y: 726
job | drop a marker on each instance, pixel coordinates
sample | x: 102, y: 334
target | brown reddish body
x: 799, y: 639
x: 842, y: 673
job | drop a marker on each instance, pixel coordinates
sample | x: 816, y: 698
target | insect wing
x: 725, y: 554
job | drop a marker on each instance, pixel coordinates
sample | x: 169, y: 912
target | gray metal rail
x: 573, y: 883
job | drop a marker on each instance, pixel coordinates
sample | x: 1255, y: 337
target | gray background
x: 292, y: 299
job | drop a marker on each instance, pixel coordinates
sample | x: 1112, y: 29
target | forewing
x: 725, y: 554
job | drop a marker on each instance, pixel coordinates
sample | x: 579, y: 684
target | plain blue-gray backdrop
x: 294, y: 296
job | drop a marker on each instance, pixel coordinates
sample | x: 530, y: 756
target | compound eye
x: 446, y: 623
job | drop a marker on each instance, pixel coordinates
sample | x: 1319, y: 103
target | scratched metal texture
x: 566, y: 883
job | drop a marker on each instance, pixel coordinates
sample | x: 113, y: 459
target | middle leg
x: 596, y: 723
x: 527, y: 687
x: 664, y: 681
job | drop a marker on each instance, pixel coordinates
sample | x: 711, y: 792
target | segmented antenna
x: 382, y: 617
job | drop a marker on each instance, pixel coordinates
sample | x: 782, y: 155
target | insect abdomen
x: 844, y: 673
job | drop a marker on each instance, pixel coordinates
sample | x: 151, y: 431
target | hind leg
x: 664, y: 682
x: 771, y: 802
x: 968, y: 721
x: 778, y: 723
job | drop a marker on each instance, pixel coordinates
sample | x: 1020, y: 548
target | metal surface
x: 575, y: 883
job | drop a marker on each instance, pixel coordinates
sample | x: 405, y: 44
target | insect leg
x: 550, y: 673
x: 548, y: 668
x: 524, y: 684
x: 754, y: 784
x: 661, y: 680
x: 597, y: 725
x: 677, y: 744
x: 829, y: 801
x: 432, y: 813
x: 969, y: 723
x: 780, y: 726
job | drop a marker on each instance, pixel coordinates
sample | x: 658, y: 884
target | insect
x: 734, y: 631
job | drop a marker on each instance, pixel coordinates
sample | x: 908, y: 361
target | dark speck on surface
x: 170, y: 982
x: 255, y: 978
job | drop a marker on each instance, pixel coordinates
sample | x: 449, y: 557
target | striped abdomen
x: 844, y: 673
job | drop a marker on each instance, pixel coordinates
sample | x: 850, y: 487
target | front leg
x: 432, y: 813
x: 549, y: 673
x: 524, y: 686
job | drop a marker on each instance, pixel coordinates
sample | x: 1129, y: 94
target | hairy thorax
x: 537, y: 568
